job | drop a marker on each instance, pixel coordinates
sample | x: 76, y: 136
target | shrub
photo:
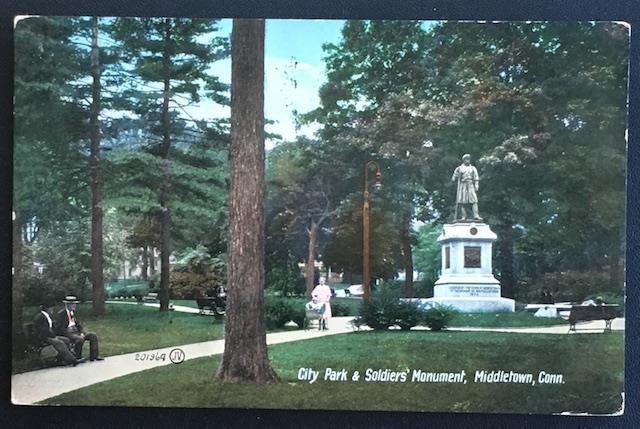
x: 277, y: 313
x: 297, y: 315
x: 339, y: 309
x: 408, y: 315
x: 380, y: 312
x: 423, y: 288
x: 438, y: 317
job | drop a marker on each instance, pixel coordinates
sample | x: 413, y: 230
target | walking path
x: 179, y: 308
x: 35, y: 386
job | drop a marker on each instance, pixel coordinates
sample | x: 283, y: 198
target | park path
x: 179, y: 308
x: 35, y: 386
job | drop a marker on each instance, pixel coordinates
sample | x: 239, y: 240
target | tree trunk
x: 245, y: 358
x: 407, y: 253
x: 145, y: 263
x: 165, y: 188
x: 309, y: 268
x: 505, y: 259
x: 97, y: 276
x: 16, y: 287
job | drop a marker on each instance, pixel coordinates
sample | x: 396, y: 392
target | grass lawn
x: 591, y: 366
x: 504, y: 320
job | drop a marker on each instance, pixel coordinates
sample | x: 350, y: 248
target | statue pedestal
x: 467, y: 282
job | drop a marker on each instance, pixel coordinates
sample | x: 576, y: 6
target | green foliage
x: 438, y: 317
x: 571, y: 286
x: 427, y: 255
x: 284, y: 277
x: 278, y: 312
x: 196, y: 274
x: 381, y: 312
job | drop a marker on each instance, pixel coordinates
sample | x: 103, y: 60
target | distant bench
x: 150, y: 297
x: 585, y: 313
x: 215, y: 306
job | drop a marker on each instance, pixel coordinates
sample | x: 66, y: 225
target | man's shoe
x: 81, y: 360
x: 97, y: 358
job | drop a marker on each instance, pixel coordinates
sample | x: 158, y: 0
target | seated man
x: 67, y: 325
x: 43, y: 330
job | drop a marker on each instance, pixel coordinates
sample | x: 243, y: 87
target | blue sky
x: 294, y: 71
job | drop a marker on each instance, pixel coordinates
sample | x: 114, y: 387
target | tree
x: 245, y: 356
x: 301, y: 194
x: 48, y: 183
x: 173, y: 64
x: 97, y: 275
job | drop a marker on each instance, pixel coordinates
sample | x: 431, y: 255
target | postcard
x: 421, y: 216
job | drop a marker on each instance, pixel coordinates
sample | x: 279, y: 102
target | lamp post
x: 366, y: 275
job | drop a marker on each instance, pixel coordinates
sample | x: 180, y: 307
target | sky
x: 294, y: 72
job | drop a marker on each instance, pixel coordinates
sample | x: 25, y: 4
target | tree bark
x: 407, y: 253
x: 309, y: 268
x: 165, y: 188
x: 245, y: 358
x: 97, y: 276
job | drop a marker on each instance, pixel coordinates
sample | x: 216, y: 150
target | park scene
x: 320, y: 214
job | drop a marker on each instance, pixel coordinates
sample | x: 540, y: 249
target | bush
x: 277, y: 313
x: 381, y: 311
x: 385, y: 309
x: 438, y: 317
x: 408, y: 315
x: 339, y: 309
x: 423, y: 288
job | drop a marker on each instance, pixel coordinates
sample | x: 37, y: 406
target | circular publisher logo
x: 176, y: 356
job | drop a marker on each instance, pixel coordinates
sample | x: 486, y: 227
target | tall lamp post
x: 366, y: 274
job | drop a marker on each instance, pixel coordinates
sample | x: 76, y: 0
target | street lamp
x: 366, y: 275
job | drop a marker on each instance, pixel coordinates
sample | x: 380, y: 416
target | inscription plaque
x: 472, y: 257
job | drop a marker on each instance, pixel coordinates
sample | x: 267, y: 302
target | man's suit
x: 76, y: 333
x: 44, y: 332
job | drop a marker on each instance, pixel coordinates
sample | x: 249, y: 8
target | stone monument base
x: 474, y: 304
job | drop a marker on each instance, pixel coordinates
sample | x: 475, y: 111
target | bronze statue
x: 467, y: 177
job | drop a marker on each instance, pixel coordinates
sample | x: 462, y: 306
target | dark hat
x: 70, y: 299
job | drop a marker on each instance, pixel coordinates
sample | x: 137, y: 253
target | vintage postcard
x: 320, y: 214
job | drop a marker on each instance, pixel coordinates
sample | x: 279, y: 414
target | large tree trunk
x: 407, y: 253
x: 309, y: 268
x: 505, y: 259
x: 165, y: 188
x: 16, y: 286
x: 245, y: 358
x: 97, y: 278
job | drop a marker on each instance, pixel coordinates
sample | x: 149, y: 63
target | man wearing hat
x: 43, y: 329
x: 68, y: 326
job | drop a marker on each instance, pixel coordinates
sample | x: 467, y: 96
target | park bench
x: 42, y: 350
x: 150, y: 297
x: 585, y: 313
x: 211, y: 306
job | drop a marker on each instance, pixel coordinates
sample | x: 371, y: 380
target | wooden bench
x: 211, y: 306
x: 150, y: 297
x: 585, y: 313
x: 42, y: 350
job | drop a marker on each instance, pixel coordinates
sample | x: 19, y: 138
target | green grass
x: 504, y: 320
x: 591, y: 365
